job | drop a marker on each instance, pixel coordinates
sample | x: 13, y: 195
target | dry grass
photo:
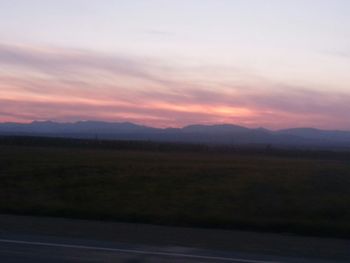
x: 194, y: 189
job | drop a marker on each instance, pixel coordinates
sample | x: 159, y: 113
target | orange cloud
x: 66, y: 85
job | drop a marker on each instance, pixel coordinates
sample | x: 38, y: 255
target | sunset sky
x: 271, y: 63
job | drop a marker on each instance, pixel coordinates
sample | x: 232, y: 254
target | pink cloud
x: 68, y: 85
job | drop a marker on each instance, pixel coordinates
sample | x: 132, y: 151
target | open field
x: 227, y: 190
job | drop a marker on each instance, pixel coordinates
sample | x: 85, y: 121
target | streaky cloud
x: 70, y: 84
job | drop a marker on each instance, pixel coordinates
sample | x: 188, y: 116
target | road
x: 40, y: 239
x: 30, y: 249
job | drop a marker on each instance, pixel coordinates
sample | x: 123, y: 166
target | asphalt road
x: 32, y: 249
x: 31, y: 239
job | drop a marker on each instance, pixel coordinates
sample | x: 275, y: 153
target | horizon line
x: 170, y: 127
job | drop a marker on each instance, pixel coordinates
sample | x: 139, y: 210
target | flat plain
x: 288, y: 193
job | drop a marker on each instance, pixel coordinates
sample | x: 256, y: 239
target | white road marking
x: 134, y: 251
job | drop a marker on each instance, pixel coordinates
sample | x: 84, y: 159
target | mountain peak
x: 197, y: 133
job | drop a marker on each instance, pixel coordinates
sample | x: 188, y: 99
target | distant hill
x: 209, y: 134
x: 324, y: 135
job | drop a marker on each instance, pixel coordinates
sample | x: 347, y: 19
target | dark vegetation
x: 257, y: 188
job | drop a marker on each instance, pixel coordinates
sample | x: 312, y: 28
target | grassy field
x: 226, y: 190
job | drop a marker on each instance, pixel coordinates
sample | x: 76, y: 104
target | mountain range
x: 228, y: 134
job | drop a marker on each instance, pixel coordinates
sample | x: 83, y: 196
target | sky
x: 164, y: 63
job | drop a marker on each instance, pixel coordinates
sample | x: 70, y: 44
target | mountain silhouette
x: 210, y: 134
